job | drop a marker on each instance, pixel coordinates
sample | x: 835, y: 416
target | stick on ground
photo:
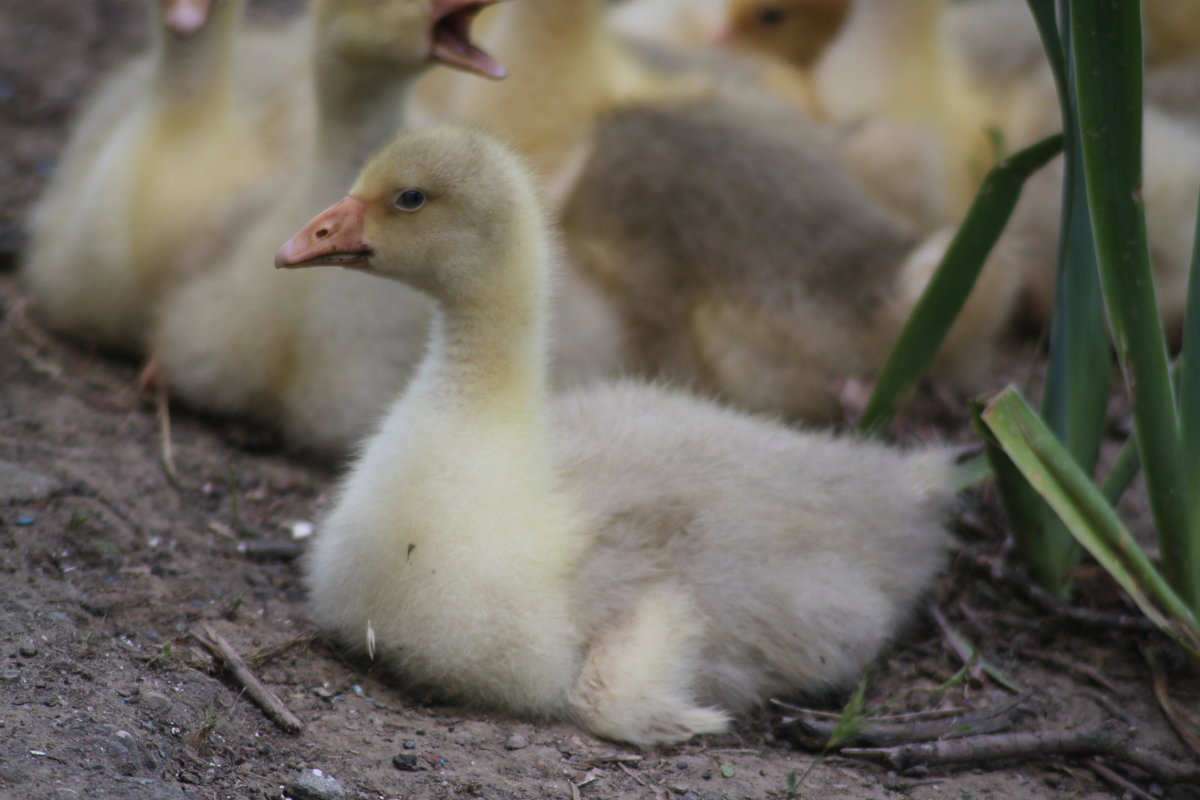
x: 814, y: 732
x: 1095, y: 741
x: 1163, y: 694
x: 266, y: 699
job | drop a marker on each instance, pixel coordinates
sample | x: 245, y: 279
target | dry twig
x: 629, y: 772
x: 167, y: 453
x: 973, y: 661
x: 1163, y: 694
x: 271, y: 652
x: 1087, y: 670
x: 1017, y: 582
x: 1094, y: 741
x: 1116, y: 780
x: 266, y: 699
x: 1106, y: 702
x: 873, y: 732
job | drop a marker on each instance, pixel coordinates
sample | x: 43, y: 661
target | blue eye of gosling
x: 771, y: 16
x: 410, y: 200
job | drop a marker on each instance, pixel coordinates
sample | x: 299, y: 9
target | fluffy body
x: 645, y: 562
x: 749, y: 264
x: 169, y: 150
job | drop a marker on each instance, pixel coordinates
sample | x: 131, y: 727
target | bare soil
x: 107, y: 565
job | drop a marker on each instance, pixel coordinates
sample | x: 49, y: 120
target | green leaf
x: 1106, y: 54
x: 1031, y: 520
x: 1122, y: 472
x: 1188, y: 381
x: 1077, y: 376
x: 1054, y: 473
x: 953, y: 280
x: 727, y: 770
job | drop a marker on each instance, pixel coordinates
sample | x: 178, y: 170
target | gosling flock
x: 617, y: 253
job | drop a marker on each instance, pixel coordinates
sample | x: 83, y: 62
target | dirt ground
x: 106, y: 566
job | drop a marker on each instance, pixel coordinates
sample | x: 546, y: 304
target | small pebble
x: 18, y: 484
x: 314, y: 785
x: 154, y: 702
x: 409, y: 744
x: 29, y: 650
x: 707, y: 776
x: 405, y: 762
x: 516, y: 742
x: 681, y: 765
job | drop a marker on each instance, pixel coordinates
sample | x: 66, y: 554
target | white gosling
x: 645, y: 562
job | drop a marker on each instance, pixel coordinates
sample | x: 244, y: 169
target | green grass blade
x: 1122, y: 472
x: 1036, y: 527
x: 1106, y: 53
x: 1075, y: 400
x: 953, y: 280
x: 1076, y: 394
x: 1047, y: 25
x: 1050, y: 469
x: 851, y: 719
x: 1188, y: 376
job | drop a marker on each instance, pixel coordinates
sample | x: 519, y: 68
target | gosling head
x: 796, y: 31
x: 402, y: 33
x: 184, y: 17
x: 445, y: 209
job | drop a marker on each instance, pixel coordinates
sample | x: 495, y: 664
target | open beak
x: 185, y: 17
x: 332, y: 239
x: 452, y: 37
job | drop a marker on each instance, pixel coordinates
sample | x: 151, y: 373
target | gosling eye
x: 409, y: 200
x: 771, y: 16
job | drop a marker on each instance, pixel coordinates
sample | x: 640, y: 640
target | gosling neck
x: 198, y: 70
x: 487, y: 351
x: 359, y: 107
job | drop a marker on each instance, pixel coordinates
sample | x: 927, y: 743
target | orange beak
x: 185, y: 17
x: 332, y: 239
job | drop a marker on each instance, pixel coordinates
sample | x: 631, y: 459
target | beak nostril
x: 322, y: 233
